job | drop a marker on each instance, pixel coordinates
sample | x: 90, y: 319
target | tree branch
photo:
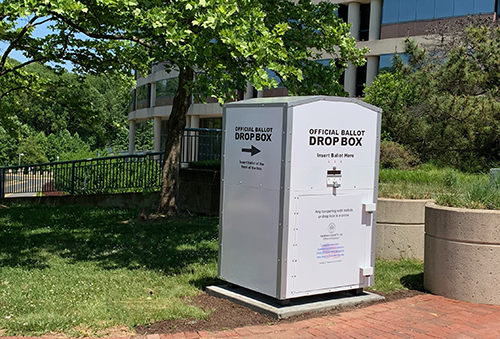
x: 16, y: 40
x: 80, y: 29
x: 22, y: 65
x: 4, y: 94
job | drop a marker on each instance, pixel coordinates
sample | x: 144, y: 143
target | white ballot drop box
x: 299, y: 194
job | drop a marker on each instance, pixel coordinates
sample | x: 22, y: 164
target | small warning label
x: 252, y: 165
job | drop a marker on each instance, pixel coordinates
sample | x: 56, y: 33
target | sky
x: 40, y: 31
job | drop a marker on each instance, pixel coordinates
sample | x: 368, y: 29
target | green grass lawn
x: 82, y: 271
x: 398, y: 275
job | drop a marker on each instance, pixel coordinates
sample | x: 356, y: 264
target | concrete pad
x: 270, y: 306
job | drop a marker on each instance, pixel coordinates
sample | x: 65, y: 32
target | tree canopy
x: 90, y: 108
x: 215, y: 45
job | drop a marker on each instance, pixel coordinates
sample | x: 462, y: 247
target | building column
x: 248, y: 92
x: 195, y: 121
x: 153, y: 95
x: 371, y: 69
x: 260, y: 94
x: 353, y: 19
x: 131, y: 137
x: 350, y: 72
x: 157, y: 133
x: 350, y: 80
x: 375, y: 19
x: 194, y: 138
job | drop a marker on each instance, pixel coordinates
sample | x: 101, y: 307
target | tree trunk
x: 175, y: 129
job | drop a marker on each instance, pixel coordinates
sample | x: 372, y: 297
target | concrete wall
x: 462, y: 254
x: 199, y: 193
x: 400, y: 228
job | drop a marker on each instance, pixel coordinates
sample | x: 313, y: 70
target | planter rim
x: 406, y: 200
x: 460, y: 209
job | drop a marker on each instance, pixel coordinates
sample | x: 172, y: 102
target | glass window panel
x: 364, y: 22
x: 407, y: 10
x: 385, y: 62
x: 342, y: 12
x: 324, y: 62
x: 273, y: 75
x: 142, y: 93
x: 425, y: 9
x: 211, y: 123
x: 443, y: 9
x: 463, y: 7
x: 360, y: 80
x: 131, y: 101
x: 166, y: 87
x: 390, y: 12
x: 484, y: 6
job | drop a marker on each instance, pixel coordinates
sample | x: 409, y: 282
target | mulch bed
x: 227, y: 315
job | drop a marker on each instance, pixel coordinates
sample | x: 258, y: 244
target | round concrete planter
x: 462, y: 254
x: 400, y: 228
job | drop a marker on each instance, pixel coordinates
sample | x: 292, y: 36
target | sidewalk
x: 423, y: 316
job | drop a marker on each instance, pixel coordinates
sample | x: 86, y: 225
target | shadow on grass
x: 31, y: 236
x: 204, y: 282
x: 413, y: 282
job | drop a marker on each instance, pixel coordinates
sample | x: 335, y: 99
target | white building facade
x: 380, y: 25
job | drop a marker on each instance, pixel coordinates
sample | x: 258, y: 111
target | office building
x: 380, y: 25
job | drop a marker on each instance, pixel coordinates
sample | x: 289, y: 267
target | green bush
x: 394, y: 155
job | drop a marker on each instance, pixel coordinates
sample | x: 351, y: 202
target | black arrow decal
x: 254, y: 150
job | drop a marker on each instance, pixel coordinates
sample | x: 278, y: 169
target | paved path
x: 423, y: 316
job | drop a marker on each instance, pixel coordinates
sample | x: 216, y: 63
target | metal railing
x: 116, y: 174
x: 201, y: 144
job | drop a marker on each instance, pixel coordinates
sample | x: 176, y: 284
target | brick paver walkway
x: 423, y: 316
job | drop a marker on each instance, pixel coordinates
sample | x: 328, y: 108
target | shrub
x: 394, y: 155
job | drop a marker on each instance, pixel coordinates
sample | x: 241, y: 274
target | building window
x: 463, y: 7
x: 164, y: 129
x: 443, y: 8
x: 364, y: 22
x: 342, y: 12
x: 131, y: 101
x: 396, y: 11
x: 211, y: 123
x: 484, y: 6
x: 166, y: 87
x: 360, y: 80
x: 390, y: 12
x: 407, y: 10
x: 143, y: 96
x: 273, y: 75
x: 385, y: 63
x: 425, y: 9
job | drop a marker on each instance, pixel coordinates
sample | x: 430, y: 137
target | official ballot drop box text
x: 298, y: 195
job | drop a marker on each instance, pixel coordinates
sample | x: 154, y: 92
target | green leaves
x: 445, y: 104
